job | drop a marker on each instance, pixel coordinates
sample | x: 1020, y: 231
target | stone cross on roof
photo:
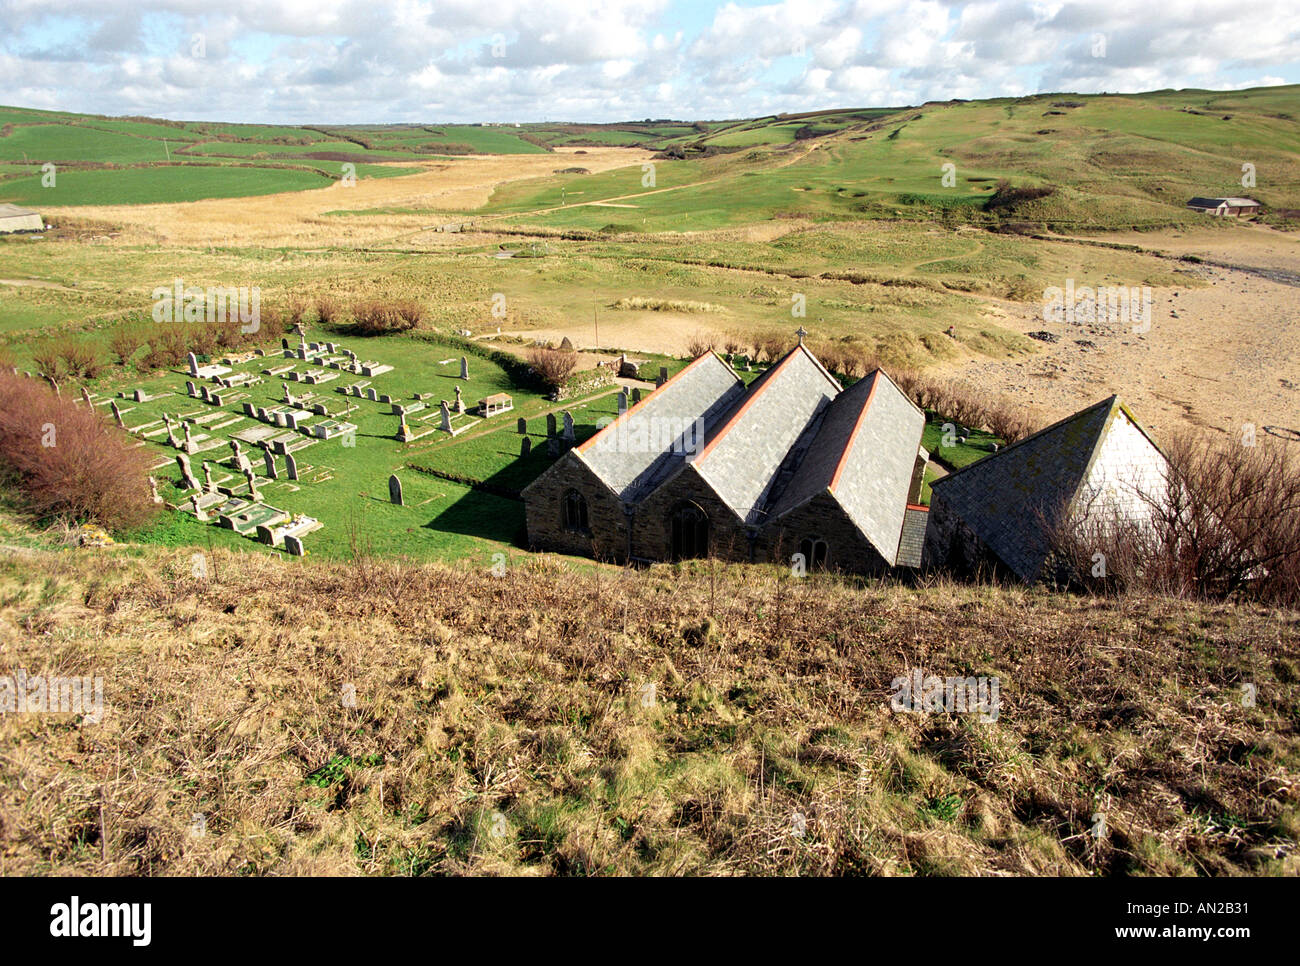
x: 801, y: 332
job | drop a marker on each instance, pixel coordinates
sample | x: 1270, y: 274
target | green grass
x: 180, y: 182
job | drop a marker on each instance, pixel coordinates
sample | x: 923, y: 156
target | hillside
x: 270, y: 717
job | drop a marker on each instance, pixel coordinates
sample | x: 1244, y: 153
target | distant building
x: 1225, y: 206
x: 706, y: 466
x: 13, y: 218
x: 1095, y: 469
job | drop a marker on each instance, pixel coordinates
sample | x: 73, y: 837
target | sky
x: 427, y: 61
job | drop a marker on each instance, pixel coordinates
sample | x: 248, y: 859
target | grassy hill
x: 367, y: 718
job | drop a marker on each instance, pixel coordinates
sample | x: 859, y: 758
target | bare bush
x: 1227, y: 525
x: 327, y: 310
x: 553, y: 366
x: 80, y: 358
x: 125, y: 342
x: 700, y: 343
x: 48, y: 360
x: 66, y: 461
x: 374, y: 317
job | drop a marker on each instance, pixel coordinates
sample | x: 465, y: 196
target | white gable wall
x: 1128, y: 480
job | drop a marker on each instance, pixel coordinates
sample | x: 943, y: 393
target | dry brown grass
x: 499, y: 725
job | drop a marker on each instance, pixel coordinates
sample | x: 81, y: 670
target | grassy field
x: 370, y: 719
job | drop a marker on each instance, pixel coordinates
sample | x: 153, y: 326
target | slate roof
x: 746, y: 448
x: 1216, y: 202
x: 1011, y: 499
x: 864, y: 454
x: 705, y: 389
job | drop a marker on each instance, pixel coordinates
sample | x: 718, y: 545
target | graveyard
x: 326, y: 446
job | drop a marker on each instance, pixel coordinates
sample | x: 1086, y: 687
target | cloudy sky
x: 377, y: 61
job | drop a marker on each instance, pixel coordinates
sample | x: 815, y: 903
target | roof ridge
x: 853, y: 435
x: 1108, y: 402
x: 752, y: 392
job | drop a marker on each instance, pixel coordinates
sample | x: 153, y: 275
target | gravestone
x: 253, y: 492
x: 271, y: 472
x: 622, y: 402
x: 207, y: 477
x: 460, y: 404
x: 187, y: 472
x: 464, y: 368
x: 284, y: 343
x: 525, y: 446
x: 171, y: 432
x: 404, y: 433
x: 85, y: 394
x: 636, y: 396
x: 291, y: 466
x: 521, y: 426
x: 550, y: 424
x: 395, y: 490
x: 189, y: 442
x: 192, y: 389
x: 293, y: 545
x: 117, y: 413
x: 153, y: 490
x: 568, y: 426
x: 194, y: 364
x: 200, y: 514
x: 663, y: 376
x: 265, y: 535
x: 446, y: 417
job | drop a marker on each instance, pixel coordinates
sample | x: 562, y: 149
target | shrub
x: 699, y: 344
x: 167, y: 347
x: 90, y: 472
x: 1227, y: 525
x: 327, y: 310
x: 125, y: 341
x: 378, y: 318
x: 553, y: 366
x: 1007, y: 196
x: 48, y: 360
x: 80, y: 358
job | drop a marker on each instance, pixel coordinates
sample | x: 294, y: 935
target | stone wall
x: 544, y: 511
x: 823, y: 518
x: 652, y: 524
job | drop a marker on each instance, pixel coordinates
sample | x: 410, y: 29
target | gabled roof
x: 7, y: 210
x: 746, y: 448
x: 864, y: 454
x: 1216, y: 202
x: 1011, y: 499
x: 635, y: 452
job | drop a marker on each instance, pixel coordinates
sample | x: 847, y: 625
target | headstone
x: 153, y: 490
x: 251, y: 480
x: 171, y: 433
x: 85, y: 394
x: 663, y: 376
x: 446, y: 417
x: 191, y: 389
x: 117, y: 413
x: 271, y: 472
x: 404, y: 433
x: 293, y: 545
x: 284, y: 343
x: 200, y: 514
x: 291, y: 466
x: 636, y: 396
x: 194, y: 364
x: 568, y: 426
x: 236, y: 452
x: 187, y: 473
x: 622, y: 402
x: 265, y: 535
x: 521, y: 426
x: 189, y: 442
x: 54, y: 385
x: 395, y: 490
x: 460, y: 404
x: 525, y: 446
x: 464, y: 368
x: 550, y: 424
x: 208, y: 482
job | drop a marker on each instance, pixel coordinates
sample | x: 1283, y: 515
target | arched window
x: 575, y: 512
x: 690, y: 532
x: 816, y: 555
